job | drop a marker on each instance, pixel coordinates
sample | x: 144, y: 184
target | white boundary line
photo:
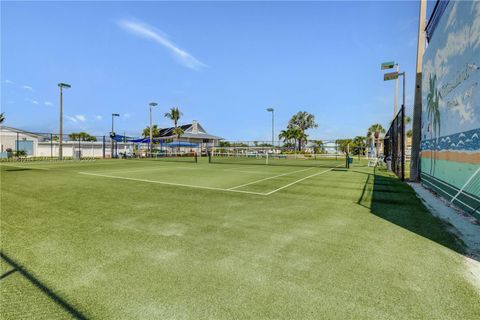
x: 171, y: 183
x: 466, y: 183
x: 268, y: 178
x: 141, y: 169
x: 299, y: 180
x: 435, y: 186
x: 450, y: 186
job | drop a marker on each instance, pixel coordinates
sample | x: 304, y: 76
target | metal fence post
x: 51, y: 146
x: 103, y: 147
x: 402, y: 129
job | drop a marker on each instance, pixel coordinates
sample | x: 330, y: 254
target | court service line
x: 297, y: 181
x: 142, y: 169
x: 170, y: 183
x: 268, y: 178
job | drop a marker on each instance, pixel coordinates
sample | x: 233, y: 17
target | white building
x: 46, y: 145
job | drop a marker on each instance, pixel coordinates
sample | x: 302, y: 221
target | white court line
x: 143, y: 169
x: 268, y: 178
x: 436, y: 186
x: 299, y: 180
x: 245, y: 171
x: 466, y: 183
x: 171, y: 183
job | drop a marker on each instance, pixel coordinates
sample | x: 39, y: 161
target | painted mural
x: 450, y: 156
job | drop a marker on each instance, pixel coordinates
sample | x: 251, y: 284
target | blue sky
x: 221, y: 63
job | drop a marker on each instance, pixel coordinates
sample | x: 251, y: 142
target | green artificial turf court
x: 144, y: 239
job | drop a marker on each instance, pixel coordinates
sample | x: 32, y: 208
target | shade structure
x: 181, y: 144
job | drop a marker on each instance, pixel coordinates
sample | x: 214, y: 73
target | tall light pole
x: 112, y: 135
x: 395, y: 103
x: 61, y: 85
x: 273, y: 125
x: 394, y: 76
x: 390, y: 65
x: 151, y: 104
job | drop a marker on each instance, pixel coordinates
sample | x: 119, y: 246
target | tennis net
x: 301, y: 160
x: 173, y: 156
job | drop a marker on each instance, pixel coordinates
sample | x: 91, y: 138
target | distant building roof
x: 191, y: 130
x: 11, y: 129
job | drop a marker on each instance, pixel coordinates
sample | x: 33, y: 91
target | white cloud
x: 9, y: 81
x: 451, y: 18
x: 457, y: 42
x: 31, y: 101
x: 26, y: 87
x: 76, y: 118
x: 48, y: 103
x: 127, y: 115
x: 148, y: 32
x: 73, y: 119
x: 81, y: 117
x: 98, y: 117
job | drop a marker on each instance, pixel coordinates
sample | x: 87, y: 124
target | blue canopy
x: 120, y: 138
x: 140, y: 140
x: 181, y: 144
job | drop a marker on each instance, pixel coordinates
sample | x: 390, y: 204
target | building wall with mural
x: 450, y: 148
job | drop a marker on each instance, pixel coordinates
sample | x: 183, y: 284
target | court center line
x: 299, y: 180
x: 170, y: 183
x: 268, y: 178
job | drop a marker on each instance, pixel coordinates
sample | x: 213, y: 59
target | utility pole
x: 152, y: 104
x: 395, y: 102
x: 417, y: 107
x: 112, y: 135
x: 273, y: 126
x: 61, y: 85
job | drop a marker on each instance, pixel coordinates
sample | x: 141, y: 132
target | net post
x: 195, y: 156
x: 267, y: 160
x: 209, y: 156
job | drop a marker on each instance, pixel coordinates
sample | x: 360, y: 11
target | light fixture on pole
x: 151, y: 104
x: 112, y: 135
x: 394, y: 76
x: 391, y: 65
x: 61, y: 85
x: 273, y: 125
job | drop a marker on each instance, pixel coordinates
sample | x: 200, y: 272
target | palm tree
x: 300, y: 137
x: 303, y: 121
x: 178, y: 132
x: 318, y: 146
x: 2, y: 117
x: 175, y: 114
x: 155, y: 131
x: 284, y: 135
x: 82, y: 136
x: 434, y: 116
x: 375, y: 130
x: 359, y: 145
x: 288, y: 137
